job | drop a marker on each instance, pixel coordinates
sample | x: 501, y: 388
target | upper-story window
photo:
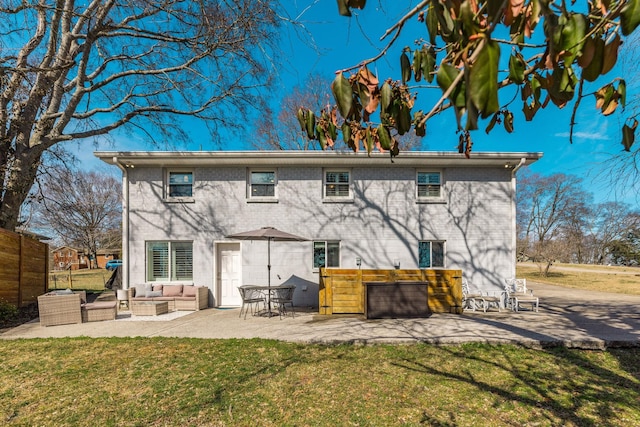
x: 262, y: 185
x: 337, y: 184
x: 429, y: 185
x: 180, y: 184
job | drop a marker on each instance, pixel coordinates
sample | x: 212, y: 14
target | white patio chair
x: 478, y: 299
x: 472, y: 300
x: 516, y: 293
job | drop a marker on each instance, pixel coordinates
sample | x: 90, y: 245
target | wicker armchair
x: 60, y: 308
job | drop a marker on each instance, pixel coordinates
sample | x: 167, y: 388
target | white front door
x: 229, y: 274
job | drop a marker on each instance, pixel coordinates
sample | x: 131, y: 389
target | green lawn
x: 79, y: 279
x: 190, y: 382
x: 180, y: 382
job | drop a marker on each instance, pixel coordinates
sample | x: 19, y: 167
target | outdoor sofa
x: 179, y: 297
x: 68, y: 307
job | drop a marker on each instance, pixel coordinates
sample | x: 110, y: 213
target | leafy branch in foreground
x: 579, y: 44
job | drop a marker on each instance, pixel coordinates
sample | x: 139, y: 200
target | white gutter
x: 514, y: 225
x: 125, y: 223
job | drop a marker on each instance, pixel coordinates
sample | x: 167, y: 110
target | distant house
x: 66, y: 257
x: 427, y: 210
x: 105, y: 255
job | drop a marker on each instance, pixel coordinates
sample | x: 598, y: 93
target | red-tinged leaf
x: 321, y: 137
x: 610, y: 107
x: 588, y: 50
x: 508, y: 121
x: 343, y: 9
x: 343, y: 94
x: 628, y: 135
x: 357, y: 4
x: 592, y: 71
x: 610, y: 54
x: 492, y: 123
x: 483, y: 79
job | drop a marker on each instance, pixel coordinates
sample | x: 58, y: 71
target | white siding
x: 383, y: 222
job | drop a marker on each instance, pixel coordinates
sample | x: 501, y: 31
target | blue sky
x: 324, y: 41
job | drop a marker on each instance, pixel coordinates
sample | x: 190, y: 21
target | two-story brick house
x: 419, y: 210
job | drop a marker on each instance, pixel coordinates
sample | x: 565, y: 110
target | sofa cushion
x: 183, y: 298
x: 153, y: 294
x: 189, y: 291
x: 157, y: 287
x: 99, y: 305
x: 172, y: 291
x: 141, y: 289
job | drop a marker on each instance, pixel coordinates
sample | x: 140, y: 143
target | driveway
x: 567, y: 317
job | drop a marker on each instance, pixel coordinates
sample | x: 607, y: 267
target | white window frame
x: 326, y: 184
x: 264, y: 199
x: 171, y: 266
x: 168, y: 184
x: 426, y: 198
x: 444, y: 254
x: 326, y: 249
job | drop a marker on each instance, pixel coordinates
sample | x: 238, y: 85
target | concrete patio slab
x: 567, y: 317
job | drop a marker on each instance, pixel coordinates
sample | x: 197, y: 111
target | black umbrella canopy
x: 267, y: 233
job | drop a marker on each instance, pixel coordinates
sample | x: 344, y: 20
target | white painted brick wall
x: 382, y: 224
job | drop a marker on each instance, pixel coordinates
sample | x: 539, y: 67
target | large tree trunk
x: 18, y: 184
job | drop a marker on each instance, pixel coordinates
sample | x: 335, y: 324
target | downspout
x: 125, y: 223
x: 514, y: 242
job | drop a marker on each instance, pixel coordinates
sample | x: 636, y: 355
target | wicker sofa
x: 67, y: 307
x: 179, y: 297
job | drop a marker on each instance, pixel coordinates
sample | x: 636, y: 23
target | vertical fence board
x: 24, y: 267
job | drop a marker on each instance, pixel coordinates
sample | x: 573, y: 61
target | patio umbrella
x: 269, y: 234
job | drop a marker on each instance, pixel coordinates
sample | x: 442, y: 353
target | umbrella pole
x: 269, y: 275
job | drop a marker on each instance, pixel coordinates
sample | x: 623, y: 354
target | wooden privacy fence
x: 24, y: 268
x: 342, y: 291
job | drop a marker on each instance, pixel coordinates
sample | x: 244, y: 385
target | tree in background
x: 558, y: 222
x: 83, y: 209
x: 282, y: 132
x: 74, y: 70
x: 553, y: 53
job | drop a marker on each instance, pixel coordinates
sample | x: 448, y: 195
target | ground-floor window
x: 169, y: 261
x: 326, y: 254
x: 431, y: 254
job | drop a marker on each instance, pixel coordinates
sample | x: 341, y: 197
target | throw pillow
x: 172, y: 291
x: 153, y: 294
x: 189, y: 291
x: 142, y: 289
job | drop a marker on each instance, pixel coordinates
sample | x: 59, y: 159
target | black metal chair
x: 282, y: 296
x: 251, y: 298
